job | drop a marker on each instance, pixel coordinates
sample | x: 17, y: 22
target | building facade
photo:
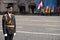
x: 18, y: 5
x: 24, y: 6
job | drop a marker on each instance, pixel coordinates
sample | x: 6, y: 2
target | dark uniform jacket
x: 8, y: 24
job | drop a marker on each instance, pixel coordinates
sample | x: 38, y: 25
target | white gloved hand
x: 5, y: 34
x: 14, y: 34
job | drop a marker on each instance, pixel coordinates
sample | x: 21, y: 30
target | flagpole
x: 37, y: 6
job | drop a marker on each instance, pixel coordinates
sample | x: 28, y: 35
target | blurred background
x: 30, y: 7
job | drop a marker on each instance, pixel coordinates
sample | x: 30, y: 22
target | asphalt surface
x: 36, y: 28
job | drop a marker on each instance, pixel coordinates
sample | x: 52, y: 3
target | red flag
x: 40, y: 4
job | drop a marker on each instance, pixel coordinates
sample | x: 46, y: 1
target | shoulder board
x: 5, y: 15
x: 12, y: 14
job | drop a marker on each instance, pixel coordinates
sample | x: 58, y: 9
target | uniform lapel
x: 11, y: 17
x: 8, y: 17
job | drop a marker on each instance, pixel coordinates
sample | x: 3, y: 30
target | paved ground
x: 36, y: 28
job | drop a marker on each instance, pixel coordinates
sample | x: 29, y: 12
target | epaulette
x: 4, y: 14
x: 12, y: 14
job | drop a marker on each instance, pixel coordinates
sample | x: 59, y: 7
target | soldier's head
x: 9, y: 9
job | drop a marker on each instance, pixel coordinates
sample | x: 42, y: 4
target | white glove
x: 5, y: 34
x: 14, y: 34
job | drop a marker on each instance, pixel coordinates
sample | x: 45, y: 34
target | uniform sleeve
x: 3, y: 25
x: 14, y: 25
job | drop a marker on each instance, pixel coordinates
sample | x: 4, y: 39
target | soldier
x: 9, y: 24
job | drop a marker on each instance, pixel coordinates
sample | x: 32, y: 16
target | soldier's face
x: 10, y: 10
